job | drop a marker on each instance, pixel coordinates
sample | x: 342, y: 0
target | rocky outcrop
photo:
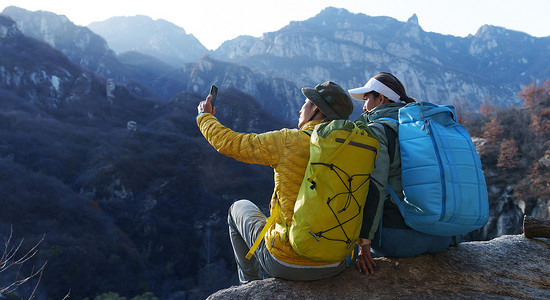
x: 510, y: 266
x: 8, y: 28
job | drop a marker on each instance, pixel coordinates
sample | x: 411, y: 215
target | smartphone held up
x: 214, y: 93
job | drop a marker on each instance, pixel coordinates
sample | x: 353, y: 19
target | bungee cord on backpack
x: 340, y: 173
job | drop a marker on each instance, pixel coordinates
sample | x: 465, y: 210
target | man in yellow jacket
x: 287, y: 152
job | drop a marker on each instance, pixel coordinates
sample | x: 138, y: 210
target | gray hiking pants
x: 246, y: 221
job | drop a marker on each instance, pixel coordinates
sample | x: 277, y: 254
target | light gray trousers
x: 246, y: 221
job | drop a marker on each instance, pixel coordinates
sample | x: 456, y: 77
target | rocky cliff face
x: 79, y: 44
x: 8, y: 28
x: 85, y: 48
x: 507, y: 267
x: 39, y: 73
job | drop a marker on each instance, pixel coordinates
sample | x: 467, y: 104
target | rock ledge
x: 511, y: 266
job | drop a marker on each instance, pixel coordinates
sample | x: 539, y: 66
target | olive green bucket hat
x: 331, y: 99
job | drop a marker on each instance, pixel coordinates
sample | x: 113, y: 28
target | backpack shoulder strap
x: 397, y: 201
x: 392, y: 136
x: 261, y: 236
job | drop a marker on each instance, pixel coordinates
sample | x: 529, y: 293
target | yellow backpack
x: 329, y: 208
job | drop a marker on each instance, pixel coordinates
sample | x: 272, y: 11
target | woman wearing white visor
x: 384, y: 94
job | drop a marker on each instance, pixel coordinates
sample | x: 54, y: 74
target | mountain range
x: 489, y: 67
x: 350, y: 48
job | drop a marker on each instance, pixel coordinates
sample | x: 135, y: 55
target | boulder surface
x: 510, y: 266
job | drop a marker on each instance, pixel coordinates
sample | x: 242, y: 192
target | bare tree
x: 11, y: 259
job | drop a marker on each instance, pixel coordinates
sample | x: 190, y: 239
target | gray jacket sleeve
x: 377, y: 189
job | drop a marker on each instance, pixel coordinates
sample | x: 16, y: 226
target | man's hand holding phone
x: 208, y: 104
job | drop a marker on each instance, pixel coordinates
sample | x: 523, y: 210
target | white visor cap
x: 374, y: 85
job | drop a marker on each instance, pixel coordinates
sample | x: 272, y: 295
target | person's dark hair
x: 393, y: 83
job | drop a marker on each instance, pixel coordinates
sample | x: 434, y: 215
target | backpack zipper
x: 428, y: 125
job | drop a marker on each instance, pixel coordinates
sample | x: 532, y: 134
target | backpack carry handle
x: 427, y: 110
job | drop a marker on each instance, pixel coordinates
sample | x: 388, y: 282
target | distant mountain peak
x: 413, y: 20
x: 136, y: 17
x: 333, y: 10
x: 139, y: 22
x: 14, y: 10
x: 158, y: 38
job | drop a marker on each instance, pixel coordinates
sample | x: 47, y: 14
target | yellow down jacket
x: 287, y: 152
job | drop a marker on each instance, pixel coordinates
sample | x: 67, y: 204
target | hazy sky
x: 215, y: 21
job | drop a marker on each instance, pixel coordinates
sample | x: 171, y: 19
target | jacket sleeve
x: 377, y: 188
x: 246, y: 147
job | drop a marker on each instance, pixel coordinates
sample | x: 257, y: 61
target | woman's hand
x: 206, y: 106
x: 365, y: 263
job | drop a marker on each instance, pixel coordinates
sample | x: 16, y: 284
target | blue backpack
x: 443, y: 183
